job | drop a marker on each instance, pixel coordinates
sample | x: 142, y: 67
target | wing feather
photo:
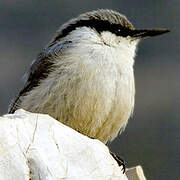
x: 38, y: 70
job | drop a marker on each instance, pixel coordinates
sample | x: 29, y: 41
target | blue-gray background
x: 152, y: 136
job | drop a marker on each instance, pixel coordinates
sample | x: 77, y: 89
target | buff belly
x: 96, y: 104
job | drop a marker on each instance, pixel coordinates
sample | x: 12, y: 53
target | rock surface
x: 37, y: 147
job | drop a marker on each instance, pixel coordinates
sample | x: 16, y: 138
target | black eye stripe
x: 98, y: 25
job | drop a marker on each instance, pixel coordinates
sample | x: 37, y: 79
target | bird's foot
x: 120, y: 161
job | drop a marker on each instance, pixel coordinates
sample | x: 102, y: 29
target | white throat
x: 106, y: 63
x: 92, y: 84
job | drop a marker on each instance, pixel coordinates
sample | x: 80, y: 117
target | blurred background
x: 152, y: 137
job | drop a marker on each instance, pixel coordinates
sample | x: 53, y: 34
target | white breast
x: 106, y: 89
x: 92, y: 89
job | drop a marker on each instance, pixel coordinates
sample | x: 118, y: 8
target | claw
x: 119, y: 161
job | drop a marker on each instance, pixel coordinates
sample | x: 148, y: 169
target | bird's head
x: 107, y: 27
x: 104, y: 20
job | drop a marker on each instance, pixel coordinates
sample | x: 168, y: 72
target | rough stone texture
x: 37, y: 147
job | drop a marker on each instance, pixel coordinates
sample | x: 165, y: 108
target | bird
x: 84, y: 77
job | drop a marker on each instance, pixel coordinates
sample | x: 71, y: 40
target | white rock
x: 37, y: 146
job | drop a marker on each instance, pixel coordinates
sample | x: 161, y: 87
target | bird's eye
x: 117, y: 31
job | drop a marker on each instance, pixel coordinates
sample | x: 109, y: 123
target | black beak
x: 139, y: 34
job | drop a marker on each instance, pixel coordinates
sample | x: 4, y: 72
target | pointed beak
x: 140, y: 34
